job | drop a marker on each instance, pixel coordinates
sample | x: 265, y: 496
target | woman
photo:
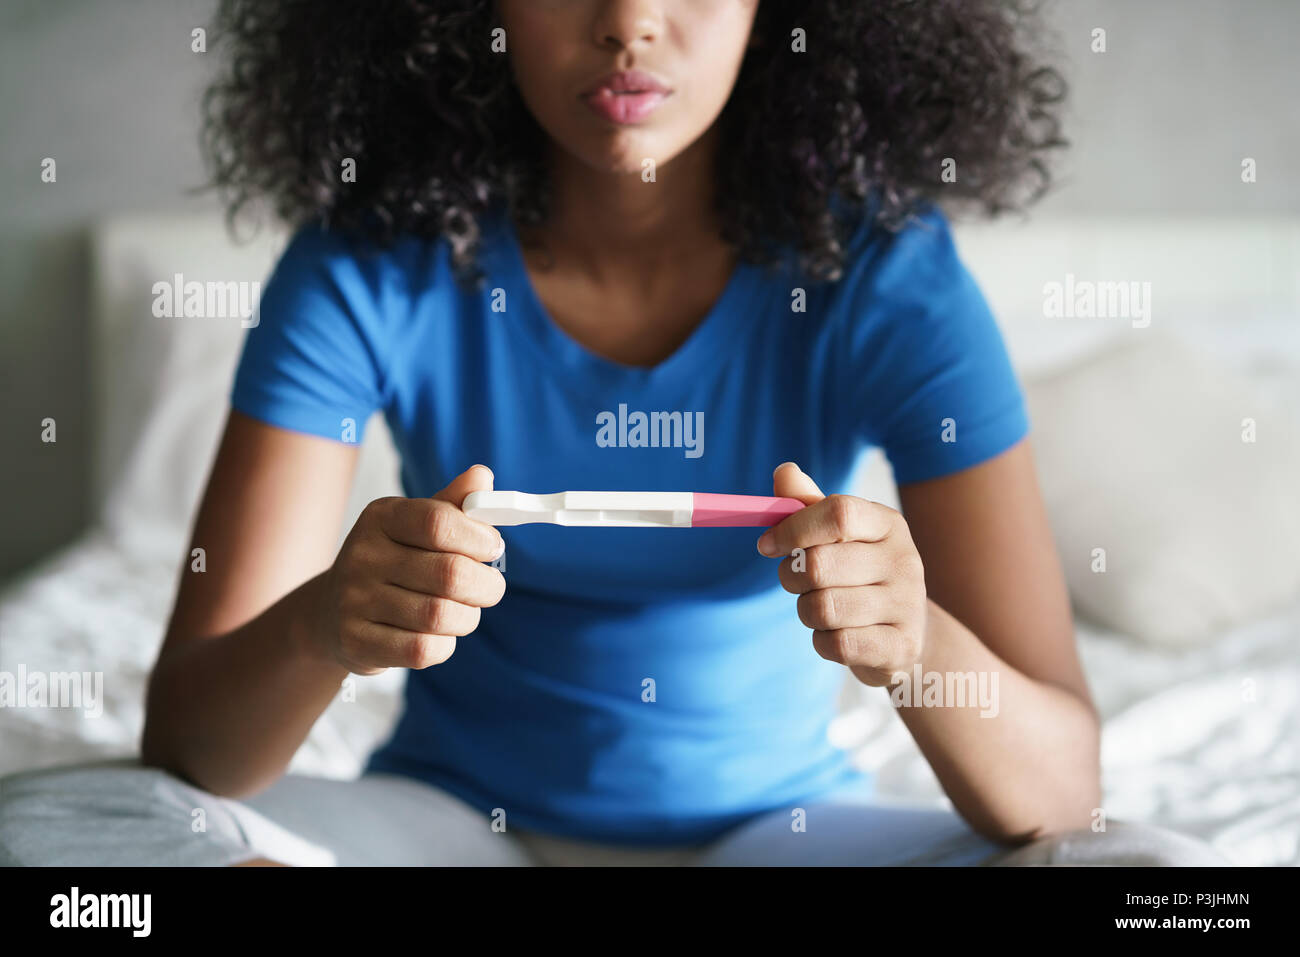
x: 514, y: 221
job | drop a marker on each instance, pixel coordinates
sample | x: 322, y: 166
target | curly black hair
x: 888, y: 91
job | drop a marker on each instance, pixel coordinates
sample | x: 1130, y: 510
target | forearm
x: 1031, y: 767
x: 228, y: 712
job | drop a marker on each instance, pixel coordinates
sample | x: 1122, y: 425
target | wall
x: 108, y: 88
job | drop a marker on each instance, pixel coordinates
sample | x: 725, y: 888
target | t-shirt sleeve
x: 924, y: 368
x: 312, y: 364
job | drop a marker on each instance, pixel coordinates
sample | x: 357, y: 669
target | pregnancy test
x: 629, y: 509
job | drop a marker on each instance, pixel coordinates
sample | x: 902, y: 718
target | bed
x: 1201, y: 736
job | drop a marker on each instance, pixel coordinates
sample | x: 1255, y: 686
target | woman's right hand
x: 409, y: 580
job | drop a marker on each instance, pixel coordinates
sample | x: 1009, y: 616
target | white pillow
x: 163, y: 385
x: 1141, y: 453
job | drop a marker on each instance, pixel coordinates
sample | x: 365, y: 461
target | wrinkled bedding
x: 1204, y: 740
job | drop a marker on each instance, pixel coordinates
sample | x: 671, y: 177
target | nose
x: 627, y: 24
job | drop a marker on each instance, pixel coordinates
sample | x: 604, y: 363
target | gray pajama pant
x: 120, y: 813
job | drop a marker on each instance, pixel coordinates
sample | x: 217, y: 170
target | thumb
x: 789, y: 481
x: 476, y: 478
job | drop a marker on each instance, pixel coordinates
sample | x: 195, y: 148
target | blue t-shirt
x: 634, y: 685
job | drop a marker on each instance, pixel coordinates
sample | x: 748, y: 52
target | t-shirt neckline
x: 709, y: 343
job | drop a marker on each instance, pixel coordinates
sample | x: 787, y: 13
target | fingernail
x: 767, y: 544
x: 501, y: 549
x: 784, y: 464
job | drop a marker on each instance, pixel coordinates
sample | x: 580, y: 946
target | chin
x: 625, y: 152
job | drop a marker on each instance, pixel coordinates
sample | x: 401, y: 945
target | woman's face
x: 617, y: 82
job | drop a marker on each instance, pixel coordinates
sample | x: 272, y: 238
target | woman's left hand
x: 858, y: 575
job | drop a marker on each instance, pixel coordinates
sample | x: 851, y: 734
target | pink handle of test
x: 713, y: 510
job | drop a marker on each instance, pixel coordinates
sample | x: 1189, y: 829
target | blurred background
x: 1172, y: 449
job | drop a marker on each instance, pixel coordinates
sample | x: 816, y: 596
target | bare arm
x: 998, y: 603
x: 259, y: 643
x: 968, y: 582
x: 235, y: 690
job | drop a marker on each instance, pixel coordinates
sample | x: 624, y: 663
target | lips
x: 625, y: 97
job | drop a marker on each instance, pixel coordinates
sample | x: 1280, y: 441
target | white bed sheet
x: 101, y: 605
x: 1205, y: 740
